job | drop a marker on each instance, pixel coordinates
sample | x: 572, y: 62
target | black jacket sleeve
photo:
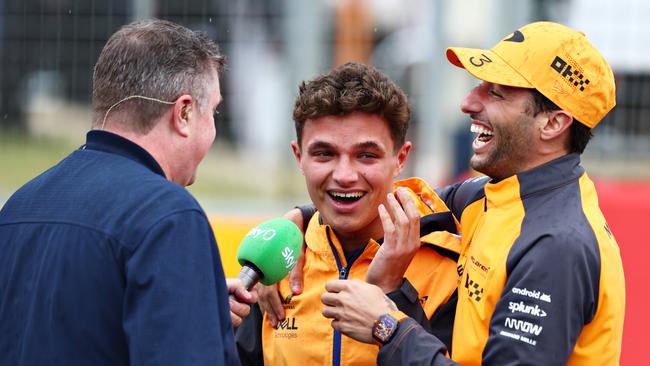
x: 547, y: 300
x: 441, y: 323
x: 407, y: 300
x: 460, y: 195
x: 248, y: 338
x: 412, y: 345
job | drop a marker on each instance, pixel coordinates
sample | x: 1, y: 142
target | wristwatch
x: 384, y: 329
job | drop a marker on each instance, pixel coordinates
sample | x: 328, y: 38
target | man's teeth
x: 480, y: 130
x: 347, y: 195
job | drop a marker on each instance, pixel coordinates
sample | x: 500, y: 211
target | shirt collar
x: 115, y: 144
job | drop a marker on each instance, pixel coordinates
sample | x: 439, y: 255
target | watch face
x: 384, y: 328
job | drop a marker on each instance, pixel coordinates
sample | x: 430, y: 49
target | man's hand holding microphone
x: 267, y: 253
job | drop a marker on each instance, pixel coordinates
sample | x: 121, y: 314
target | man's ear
x: 402, y: 157
x: 181, y: 113
x: 297, y: 153
x: 558, y: 122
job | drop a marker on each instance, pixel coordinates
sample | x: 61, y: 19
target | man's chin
x: 190, y: 181
x: 344, y: 223
x: 478, y: 163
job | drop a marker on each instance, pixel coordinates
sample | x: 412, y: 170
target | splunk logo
x: 520, y: 307
x: 570, y: 74
x: 523, y: 326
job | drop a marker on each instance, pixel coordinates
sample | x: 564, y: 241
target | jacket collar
x: 546, y: 177
x: 115, y: 144
x: 427, y: 202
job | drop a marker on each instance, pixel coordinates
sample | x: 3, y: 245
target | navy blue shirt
x: 103, y: 261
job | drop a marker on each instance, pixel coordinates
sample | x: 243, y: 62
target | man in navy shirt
x: 106, y: 258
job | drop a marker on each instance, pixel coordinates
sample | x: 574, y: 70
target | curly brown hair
x: 349, y: 88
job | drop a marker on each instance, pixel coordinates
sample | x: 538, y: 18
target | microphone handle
x: 249, y: 277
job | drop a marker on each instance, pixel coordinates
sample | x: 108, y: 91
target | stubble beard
x: 508, y: 153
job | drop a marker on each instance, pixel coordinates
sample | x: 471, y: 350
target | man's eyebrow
x: 318, y: 144
x: 369, y: 145
x: 504, y: 88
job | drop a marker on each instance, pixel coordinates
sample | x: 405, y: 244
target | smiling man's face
x: 349, y: 163
x: 504, y: 127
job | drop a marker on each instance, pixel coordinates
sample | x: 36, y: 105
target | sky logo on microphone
x: 271, y: 249
x: 266, y: 234
x: 289, y: 258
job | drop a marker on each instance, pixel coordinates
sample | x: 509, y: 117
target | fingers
x: 395, y: 210
x: 400, y: 221
x: 249, y: 297
x: 329, y: 312
x: 238, y: 311
x: 277, y: 309
x: 236, y: 287
x: 329, y: 299
x: 336, y: 285
x: 271, y: 303
x: 386, y: 221
x: 295, y: 276
x: 412, y: 213
x: 408, y: 204
x: 404, y: 224
x: 241, y: 310
x: 354, y: 308
x: 270, y: 315
x: 235, y: 320
x: 402, y: 208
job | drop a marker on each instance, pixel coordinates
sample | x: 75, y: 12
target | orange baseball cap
x: 556, y: 60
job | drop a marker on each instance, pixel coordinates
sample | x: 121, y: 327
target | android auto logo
x: 266, y: 234
x: 289, y: 258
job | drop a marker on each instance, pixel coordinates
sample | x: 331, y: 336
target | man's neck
x: 152, y: 143
x: 353, y: 241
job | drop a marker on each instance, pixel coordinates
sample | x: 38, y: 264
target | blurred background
x: 48, y: 49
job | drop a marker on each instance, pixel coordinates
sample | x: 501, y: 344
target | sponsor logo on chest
x: 533, y: 294
x: 524, y: 326
x: 520, y: 307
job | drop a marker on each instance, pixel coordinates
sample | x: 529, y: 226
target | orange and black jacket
x: 305, y: 337
x: 541, y: 275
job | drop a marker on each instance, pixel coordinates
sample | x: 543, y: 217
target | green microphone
x: 269, y: 252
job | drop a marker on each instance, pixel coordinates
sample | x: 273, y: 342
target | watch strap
x: 386, y: 326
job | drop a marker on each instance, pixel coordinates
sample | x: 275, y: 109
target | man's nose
x: 345, y: 172
x: 472, y: 101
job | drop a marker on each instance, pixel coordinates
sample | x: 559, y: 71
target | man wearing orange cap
x: 541, y: 278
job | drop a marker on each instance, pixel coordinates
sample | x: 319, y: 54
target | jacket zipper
x: 343, y: 275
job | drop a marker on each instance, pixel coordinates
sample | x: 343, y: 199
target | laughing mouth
x: 484, y: 135
x: 346, y: 197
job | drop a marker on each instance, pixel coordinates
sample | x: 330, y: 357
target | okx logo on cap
x: 556, y: 60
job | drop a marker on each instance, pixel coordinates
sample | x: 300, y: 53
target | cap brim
x: 486, y: 65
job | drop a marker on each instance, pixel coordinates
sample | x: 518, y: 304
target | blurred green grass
x: 222, y: 177
x: 23, y: 157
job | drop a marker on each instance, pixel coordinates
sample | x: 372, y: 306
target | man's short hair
x: 579, y: 133
x: 349, y: 88
x: 155, y: 59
